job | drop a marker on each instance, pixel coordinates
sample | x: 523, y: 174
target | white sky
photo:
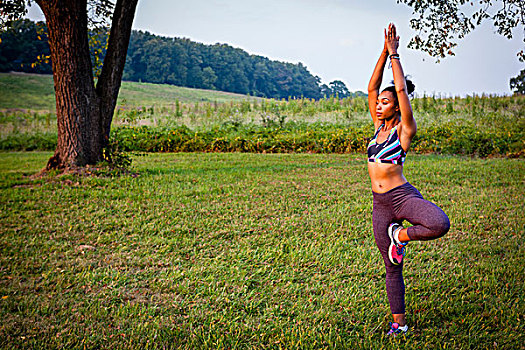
x: 335, y: 39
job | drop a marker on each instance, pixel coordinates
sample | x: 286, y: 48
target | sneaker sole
x: 396, y: 335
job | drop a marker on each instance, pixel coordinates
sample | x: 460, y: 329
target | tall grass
x: 148, y: 116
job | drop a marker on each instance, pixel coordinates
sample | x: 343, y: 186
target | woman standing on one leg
x: 395, y: 199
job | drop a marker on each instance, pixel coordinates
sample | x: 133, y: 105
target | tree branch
x: 108, y: 84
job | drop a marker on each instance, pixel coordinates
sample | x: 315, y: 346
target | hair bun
x: 410, y: 86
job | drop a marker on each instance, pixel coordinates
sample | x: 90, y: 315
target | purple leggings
x: 430, y: 222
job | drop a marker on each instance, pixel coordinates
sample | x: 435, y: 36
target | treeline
x: 176, y: 61
x: 24, y: 48
x: 221, y: 67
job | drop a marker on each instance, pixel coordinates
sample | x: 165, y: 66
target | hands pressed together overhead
x: 391, y: 39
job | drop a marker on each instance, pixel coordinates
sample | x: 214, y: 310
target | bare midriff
x: 385, y: 177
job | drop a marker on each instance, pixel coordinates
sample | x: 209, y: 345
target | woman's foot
x: 396, y: 329
x: 396, y: 251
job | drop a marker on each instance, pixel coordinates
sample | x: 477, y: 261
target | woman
x: 395, y: 199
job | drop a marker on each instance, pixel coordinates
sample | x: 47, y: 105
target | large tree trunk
x: 84, y: 113
x: 76, y: 101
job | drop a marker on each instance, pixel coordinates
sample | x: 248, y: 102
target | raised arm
x: 408, y: 123
x: 375, y: 83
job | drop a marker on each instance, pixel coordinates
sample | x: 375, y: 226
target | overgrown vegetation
x: 162, y: 118
x: 232, y: 250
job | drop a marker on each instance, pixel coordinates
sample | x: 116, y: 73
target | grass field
x: 35, y: 92
x: 231, y: 250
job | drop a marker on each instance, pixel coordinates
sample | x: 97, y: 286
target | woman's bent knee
x: 441, y: 228
x: 430, y: 230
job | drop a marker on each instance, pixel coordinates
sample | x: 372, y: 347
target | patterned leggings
x: 430, y: 222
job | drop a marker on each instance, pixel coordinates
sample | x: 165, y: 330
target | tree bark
x: 84, y: 114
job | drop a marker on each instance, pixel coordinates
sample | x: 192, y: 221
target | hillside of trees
x: 176, y: 61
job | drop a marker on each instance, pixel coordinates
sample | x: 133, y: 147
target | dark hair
x: 410, y: 88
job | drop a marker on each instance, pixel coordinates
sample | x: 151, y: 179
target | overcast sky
x: 335, y: 39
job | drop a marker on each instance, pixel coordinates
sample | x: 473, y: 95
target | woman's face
x: 386, y: 107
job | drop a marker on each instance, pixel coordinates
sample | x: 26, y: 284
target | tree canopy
x: 441, y: 23
x: 517, y: 84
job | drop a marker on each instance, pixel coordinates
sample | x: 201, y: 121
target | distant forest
x: 181, y: 62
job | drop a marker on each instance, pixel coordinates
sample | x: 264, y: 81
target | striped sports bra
x: 389, y: 151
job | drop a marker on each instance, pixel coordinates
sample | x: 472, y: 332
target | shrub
x: 40, y: 141
x: 315, y: 138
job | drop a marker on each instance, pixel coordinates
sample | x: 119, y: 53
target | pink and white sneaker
x: 396, y: 329
x: 396, y: 251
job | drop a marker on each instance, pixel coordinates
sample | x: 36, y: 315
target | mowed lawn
x: 232, y: 250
